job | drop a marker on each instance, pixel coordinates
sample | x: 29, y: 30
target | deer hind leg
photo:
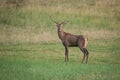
x: 81, y: 44
x: 84, y: 54
x: 87, y: 54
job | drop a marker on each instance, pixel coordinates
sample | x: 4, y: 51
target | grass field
x: 31, y: 50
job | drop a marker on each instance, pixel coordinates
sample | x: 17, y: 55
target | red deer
x: 71, y: 40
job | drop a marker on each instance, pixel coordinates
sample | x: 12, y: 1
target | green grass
x: 31, y: 50
x: 46, y: 70
x: 46, y: 62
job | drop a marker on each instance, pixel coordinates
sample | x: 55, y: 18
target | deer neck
x: 60, y: 33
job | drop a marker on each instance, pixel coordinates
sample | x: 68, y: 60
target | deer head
x: 59, y: 25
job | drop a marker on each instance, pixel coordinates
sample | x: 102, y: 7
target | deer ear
x: 64, y: 22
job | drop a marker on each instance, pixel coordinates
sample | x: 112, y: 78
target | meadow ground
x: 30, y: 48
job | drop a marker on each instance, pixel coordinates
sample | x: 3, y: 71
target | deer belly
x: 72, y: 43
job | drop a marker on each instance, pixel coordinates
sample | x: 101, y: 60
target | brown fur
x: 70, y: 40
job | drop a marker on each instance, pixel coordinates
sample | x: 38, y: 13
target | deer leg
x: 83, y: 54
x: 87, y: 55
x: 83, y: 58
x: 66, y: 54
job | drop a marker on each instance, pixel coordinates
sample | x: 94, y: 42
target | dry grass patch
x: 14, y: 34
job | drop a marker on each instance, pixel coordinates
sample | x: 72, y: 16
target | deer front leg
x: 66, y: 54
